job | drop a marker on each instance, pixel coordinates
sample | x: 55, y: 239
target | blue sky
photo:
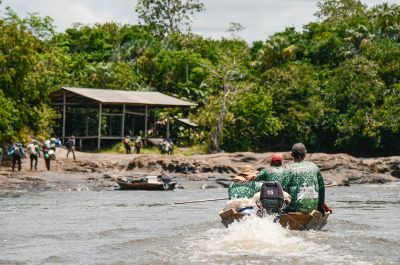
x: 261, y: 18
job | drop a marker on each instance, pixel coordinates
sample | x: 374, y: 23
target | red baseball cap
x: 276, y: 157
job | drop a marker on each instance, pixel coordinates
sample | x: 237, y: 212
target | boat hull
x: 292, y: 220
x: 145, y: 186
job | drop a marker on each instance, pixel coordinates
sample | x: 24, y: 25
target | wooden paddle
x: 210, y: 200
x: 186, y: 202
x: 332, y: 185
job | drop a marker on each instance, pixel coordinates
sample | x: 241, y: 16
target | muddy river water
x: 118, y: 227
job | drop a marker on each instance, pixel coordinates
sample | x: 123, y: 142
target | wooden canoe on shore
x: 292, y: 220
x: 146, y: 183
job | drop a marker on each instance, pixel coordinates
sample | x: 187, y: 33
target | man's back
x: 271, y: 174
x: 304, y: 183
x: 243, y: 189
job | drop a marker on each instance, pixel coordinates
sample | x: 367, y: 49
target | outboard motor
x: 271, y: 197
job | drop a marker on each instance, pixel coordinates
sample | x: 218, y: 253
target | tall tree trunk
x: 215, y: 137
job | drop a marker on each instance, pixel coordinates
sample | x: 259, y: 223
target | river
x: 118, y: 227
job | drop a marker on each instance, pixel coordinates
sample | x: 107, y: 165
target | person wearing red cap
x: 274, y: 172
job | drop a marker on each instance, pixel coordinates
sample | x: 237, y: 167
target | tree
x: 234, y: 29
x: 339, y: 10
x: 229, y: 79
x: 355, y: 91
x: 166, y: 16
x: 31, y: 67
x: 8, y: 118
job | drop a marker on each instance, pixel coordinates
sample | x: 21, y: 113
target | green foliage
x: 31, y: 67
x: 253, y: 123
x: 166, y: 16
x: 8, y: 118
x: 335, y: 85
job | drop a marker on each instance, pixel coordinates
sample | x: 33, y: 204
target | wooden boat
x: 145, y: 183
x: 292, y: 220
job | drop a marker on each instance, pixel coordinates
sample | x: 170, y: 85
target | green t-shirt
x: 1, y: 151
x: 243, y: 189
x: 271, y: 174
x: 304, y: 183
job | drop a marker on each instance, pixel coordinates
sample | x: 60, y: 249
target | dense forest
x: 334, y: 85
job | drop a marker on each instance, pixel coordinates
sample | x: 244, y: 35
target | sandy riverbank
x: 93, y: 171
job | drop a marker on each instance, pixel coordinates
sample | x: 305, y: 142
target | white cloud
x: 261, y: 18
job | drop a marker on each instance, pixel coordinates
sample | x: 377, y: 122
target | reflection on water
x: 117, y: 227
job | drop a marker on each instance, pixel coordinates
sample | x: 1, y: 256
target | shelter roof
x: 188, y: 122
x: 116, y: 97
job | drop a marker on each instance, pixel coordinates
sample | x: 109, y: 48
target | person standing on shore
x: 46, y: 156
x: 171, y: 146
x: 70, y: 144
x: 303, y: 180
x: 127, y: 144
x: 274, y: 172
x: 17, y: 155
x: 138, y: 144
x: 34, y: 153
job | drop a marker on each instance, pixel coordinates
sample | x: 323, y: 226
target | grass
x: 154, y: 150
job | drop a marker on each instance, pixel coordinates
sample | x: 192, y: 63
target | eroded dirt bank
x: 96, y: 171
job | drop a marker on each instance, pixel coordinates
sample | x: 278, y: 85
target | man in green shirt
x: 274, y: 172
x: 303, y: 181
x: 243, y: 185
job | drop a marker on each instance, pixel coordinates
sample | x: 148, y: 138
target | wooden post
x: 167, y: 125
x: 123, y: 122
x: 145, y: 126
x: 187, y: 72
x: 190, y: 139
x: 64, y: 116
x: 109, y: 126
x: 87, y: 126
x: 99, y: 129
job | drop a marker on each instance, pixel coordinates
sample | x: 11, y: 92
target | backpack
x: 17, y: 151
x: 68, y: 144
x: 271, y: 196
x: 10, y: 151
x: 138, y: 143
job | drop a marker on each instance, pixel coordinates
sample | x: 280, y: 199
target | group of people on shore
x: 35, y: 150
x: 302, y: 183
x: 129, y: 143
x: 166, y: 146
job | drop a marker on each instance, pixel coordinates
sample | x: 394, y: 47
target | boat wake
x: 255, y: 236
x: 258, y: 240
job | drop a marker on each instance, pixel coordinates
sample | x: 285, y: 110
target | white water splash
x: 80, y: 187
x: 259, y: 240
x: 255, y: 236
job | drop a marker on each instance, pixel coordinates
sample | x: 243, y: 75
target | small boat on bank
x: 146, y: 183
x: 292, y: 220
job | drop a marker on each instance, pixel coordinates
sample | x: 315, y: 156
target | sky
x: 260, y: 18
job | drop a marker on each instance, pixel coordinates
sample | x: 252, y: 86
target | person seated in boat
x: 303, y: 181
x: 274, y: 172
x: 243, y: 185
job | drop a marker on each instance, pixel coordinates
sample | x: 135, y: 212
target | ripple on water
x: 10, y: 194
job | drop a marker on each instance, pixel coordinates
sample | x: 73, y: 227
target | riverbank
x: 97, y: 171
